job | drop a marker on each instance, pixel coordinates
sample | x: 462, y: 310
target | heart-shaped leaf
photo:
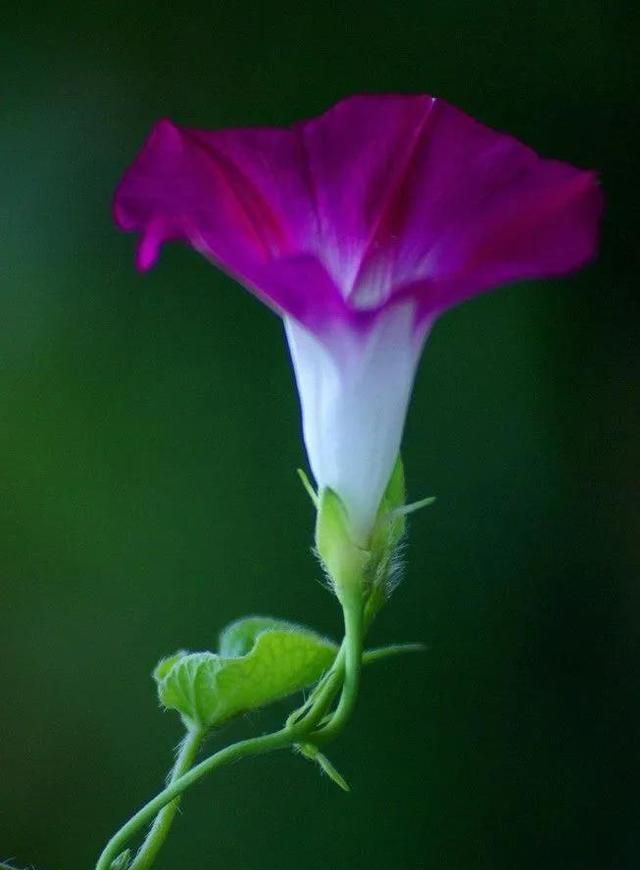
x: 260, y: 661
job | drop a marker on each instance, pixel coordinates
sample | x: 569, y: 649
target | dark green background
x: 149, y: 435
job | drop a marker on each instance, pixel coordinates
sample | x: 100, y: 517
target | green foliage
x: 260, y: 661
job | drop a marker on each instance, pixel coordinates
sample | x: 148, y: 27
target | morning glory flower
x: 359, y: 228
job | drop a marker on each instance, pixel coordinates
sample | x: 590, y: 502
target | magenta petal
x: 236, y: 196
x: 380, y: 198
x: 357, y: 156
x: 301, y: 287
x: 185, y: 185
x: 476, y: 209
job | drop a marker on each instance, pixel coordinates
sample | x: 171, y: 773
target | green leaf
x: 260, y: 661
x: 239, y: 637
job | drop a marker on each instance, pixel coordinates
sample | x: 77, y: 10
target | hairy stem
x: 354, y: 629
x: 243, y: 749
x: 286, y: 737
x: 162, y: 822
x: 301, y: 727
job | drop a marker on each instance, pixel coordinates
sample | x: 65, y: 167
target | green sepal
x: 260, y: 661
x: 122, y: 861
x: 396, y: 492
x: 387, y: 535
x: 390, y: 523
x: 344, y: 561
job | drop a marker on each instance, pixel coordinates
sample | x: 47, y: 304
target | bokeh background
x: 149, y: 437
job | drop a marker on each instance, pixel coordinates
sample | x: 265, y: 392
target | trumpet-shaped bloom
x: 359, y: 228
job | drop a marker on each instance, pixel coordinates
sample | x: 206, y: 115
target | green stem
x: 311, y: 714
x: 318, y: 702
x: 287, y: 737
x: 354, y: 628
x: 243, y: 749
x: 163, y: 821
x: 345, y: 670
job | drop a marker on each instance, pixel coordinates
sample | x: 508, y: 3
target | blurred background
x: 149, y: 437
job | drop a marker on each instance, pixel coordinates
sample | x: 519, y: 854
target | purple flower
x: 359, y: 228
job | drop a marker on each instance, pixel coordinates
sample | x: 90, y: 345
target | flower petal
x: 246, y: 197
x: 378, y: 198
x: 477, y: 209
x: 236, y: 196
x: 358, y: 154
